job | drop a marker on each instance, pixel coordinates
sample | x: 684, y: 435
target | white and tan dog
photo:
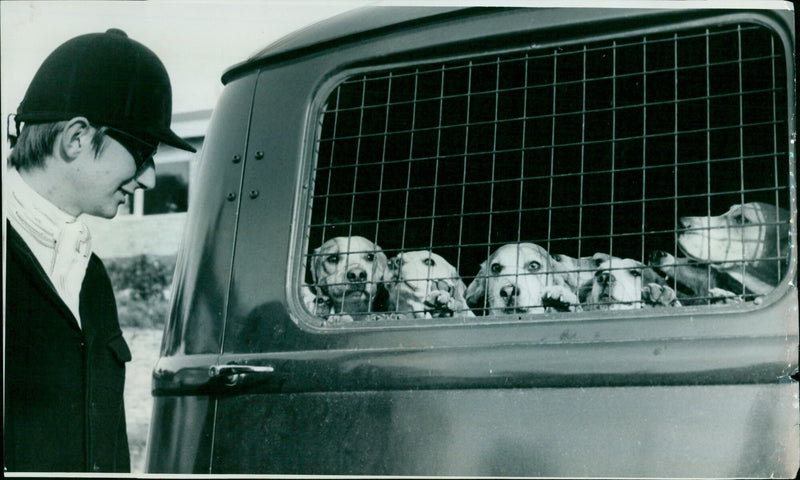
x: 579, y: 271
x: 346, y: 272
x: 624, y: 284
x: 520, y: 278
x: 425, y: 285
x: 749, y: 242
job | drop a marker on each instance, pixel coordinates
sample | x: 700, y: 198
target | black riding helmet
x: 111, y: 80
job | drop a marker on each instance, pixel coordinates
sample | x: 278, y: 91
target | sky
x: 196, y: 40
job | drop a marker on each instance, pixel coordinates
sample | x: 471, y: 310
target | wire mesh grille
x: 603, y: 147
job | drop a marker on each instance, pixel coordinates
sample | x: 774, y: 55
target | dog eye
x: 497, y: 268
x: 534, y: 266
x: 636, y: 273
x: 332, y: 259
x: 557, y: 257
x: 370, y: 257
x: 429, y: 262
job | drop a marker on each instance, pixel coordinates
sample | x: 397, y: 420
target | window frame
x: 296, y: 277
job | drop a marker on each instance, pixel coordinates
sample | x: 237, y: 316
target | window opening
x: 641, y: 172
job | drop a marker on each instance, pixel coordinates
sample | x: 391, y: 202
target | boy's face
x: 102, y: 182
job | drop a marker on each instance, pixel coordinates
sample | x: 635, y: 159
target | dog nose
x: 509, y: 291
x: 606, y: 278
x: 355, y: 275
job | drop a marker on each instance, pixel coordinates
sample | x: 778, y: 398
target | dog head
x: 748, y: 232
x: 755, y: 235
x: 617, y: 285
x: 347, y: 270
x: 578, y: 271
x: 411, y: 277
x: 513, y: 280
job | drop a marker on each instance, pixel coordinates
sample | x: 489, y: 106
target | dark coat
x: 64, y: 408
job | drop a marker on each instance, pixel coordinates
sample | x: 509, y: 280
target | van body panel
x: 181, y: 431
x: 659, y: 431
x: 202, y: 272
x: 686, y: 392
x: 330, y: 33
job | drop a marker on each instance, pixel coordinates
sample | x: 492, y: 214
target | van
x: 475, y: 241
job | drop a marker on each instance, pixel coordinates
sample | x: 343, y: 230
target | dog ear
x: 459, y: 286
x: 380, y: 303
x: 381, y: 264
x: 477, y: 289
x: 460, y: 290
x: 318, y: 258
x: 386, y: 275
x: 556, y: 270
x: 585, y: 291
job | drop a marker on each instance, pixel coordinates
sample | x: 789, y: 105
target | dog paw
x: 441, y: 303
x: 332, y: 320
x: 719, y: 296
x: 659, y: 257
x: 560, y: 298
x: 657, y: 295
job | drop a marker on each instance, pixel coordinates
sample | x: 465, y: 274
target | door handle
x: 233, y: 373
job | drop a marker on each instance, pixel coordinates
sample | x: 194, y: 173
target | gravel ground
x: 145, y: 345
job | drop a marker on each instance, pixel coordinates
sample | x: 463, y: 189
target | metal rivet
x: 237, y: 159
x: 253, y: 193
x: 231, y: 197
x: 259, y: 155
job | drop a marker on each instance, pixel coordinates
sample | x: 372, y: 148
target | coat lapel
x: 18, y: 247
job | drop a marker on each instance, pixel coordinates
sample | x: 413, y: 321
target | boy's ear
x: 75, y: 138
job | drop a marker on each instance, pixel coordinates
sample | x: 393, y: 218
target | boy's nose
x: 146, y: 176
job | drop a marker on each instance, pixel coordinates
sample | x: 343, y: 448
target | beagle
x: 520, y: 278
x: 424, y: 285
x: 624, y: 284
x: 346, y: 272
x: 749, y: 242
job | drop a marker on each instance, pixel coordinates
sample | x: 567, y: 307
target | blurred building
x: 152, y: 221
